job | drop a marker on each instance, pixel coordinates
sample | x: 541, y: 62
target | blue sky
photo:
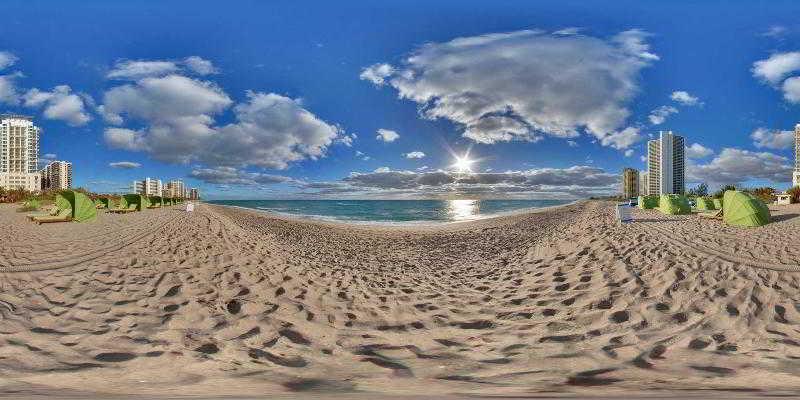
x: 275, y: 99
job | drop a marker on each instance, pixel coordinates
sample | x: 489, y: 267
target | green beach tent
x: 648, y: 202
x: 155, y: 201
x: 744, y: 209
x: 704, y: 203
x: 674, y: 204
x: 83, y: 208
x: 140, y: 201
x: 718, y: 204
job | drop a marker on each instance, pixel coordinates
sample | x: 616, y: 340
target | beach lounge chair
x: 713, y: 215
x: 62, y: 216
x: 49, y: 211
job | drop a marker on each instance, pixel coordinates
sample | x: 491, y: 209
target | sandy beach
x: 230, y: 302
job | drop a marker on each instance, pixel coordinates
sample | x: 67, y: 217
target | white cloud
x: 138, y: 69
x: 572, y: 143
x: 775, y: 31
x: 200, y: 66
x: 49, y: 156
x: 777, y: 67
x: 233, y: 176
x: 733, y: 166
x: 59, y: 104
x: 791, y: 89
x: 178, y: 112
x: 628, y: 152
x: 8, y: 88
x: 377, y: 73
x: 696, y: 150
x: 124, y: 165
x: 387, y: 135
x: 643, y: 158
x: 382, y: 170
x: 622, y: 139
x: 556, y: 85
x: 683, y: 97
x: 362, y: 156
x: 415, y: 154
x: 772, y: 139
x: 660, y: 114
x: 7, y: 59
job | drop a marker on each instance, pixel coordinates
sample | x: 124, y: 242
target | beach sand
x: 230, y: 302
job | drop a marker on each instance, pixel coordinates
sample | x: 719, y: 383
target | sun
x: 463, y: 164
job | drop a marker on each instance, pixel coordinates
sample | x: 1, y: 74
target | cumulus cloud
x: 622, y: 139
x: 577, y: 181
x: 772, y: 139
x: 178, y: 112
x: 415, y: 154
x: 8, y: 88
x: 386, y: 135
x: 696, y: 150
x: 59, y: 104
x: 660, y: 114
x: 683, y: 97
x: 7, y: 59
x: 138, y: 69
x: 777, y: 67
x: 233, y: 176
x: 124, y: 165
x: 734, y: 166
x: 628, y: 152
x: 791, y: 89
x: 557, y: 85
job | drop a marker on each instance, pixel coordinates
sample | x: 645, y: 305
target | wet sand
x: 564, y: 302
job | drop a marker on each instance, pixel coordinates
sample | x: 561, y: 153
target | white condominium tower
x: 147, y: 187
x: 57, y: 175
x: 19, y: 153
x: 666, y: 169
x: 643, y: 186
x: 796, y: 172
x: 176, y: 188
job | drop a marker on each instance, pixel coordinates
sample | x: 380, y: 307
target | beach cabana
x: 744, y: 209
x: 674, y: 204
x: 155, y: 202
x: 718, y: 204
x: 704, y: 204
x: 136, y: 201
x: 648, y: 202
x: 72, y: 206
x: 103, y: 202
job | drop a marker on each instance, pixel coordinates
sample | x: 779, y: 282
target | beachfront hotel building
x: 796, y: 172
x: 56, y: 176
x: 643, y: 183
x: 176, y: 188
x: 630, y: 183
x: 147, y: 187
x: 194, y: 194
x: 19, y: 153
x: 666, y: 164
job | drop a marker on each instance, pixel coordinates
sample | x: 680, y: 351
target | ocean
x: 392, y: 211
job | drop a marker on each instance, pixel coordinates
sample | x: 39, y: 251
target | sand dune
x: 230, y: 302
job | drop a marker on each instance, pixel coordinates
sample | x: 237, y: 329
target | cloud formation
x: 660, y: 114
x: 233, y: 176
x: 387, y: 135
x: 775, y: 70
x: 178, y: 114
x: 414, y: 154
x: 8, y: 84
x: 552, y: 84
x: 138, y: 69
x: 683, y: 97
x: 59, y: 104
x: 772, y: 139
x: 696, y: 150
x: 124, y: 165
x: 734, y: 166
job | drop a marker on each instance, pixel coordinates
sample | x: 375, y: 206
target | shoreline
x: 397, y: 224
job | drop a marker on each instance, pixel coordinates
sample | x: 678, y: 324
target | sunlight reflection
x: 463, y: 209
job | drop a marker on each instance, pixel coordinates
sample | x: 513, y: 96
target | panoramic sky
x: 283, y: 99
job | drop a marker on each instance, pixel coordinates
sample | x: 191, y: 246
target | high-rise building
x: 643, y: 187
x: 19, y: 153
x: 176, y: 189
x: 666, y: 169
x: 796, y: 173
x: 56, y: 175
x: 630, y: 183
x: 194, y: 194
x: 147, y: 187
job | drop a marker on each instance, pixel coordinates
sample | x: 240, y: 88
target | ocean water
x: 392, y: 211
